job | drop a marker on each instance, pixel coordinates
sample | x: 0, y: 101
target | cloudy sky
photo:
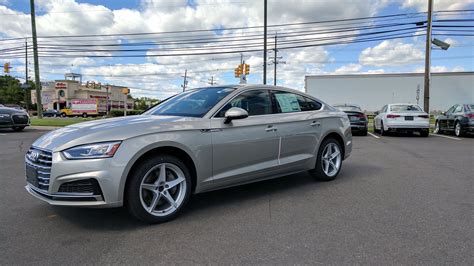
x: 160, y: 76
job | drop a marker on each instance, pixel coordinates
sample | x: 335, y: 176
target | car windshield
x: 404, y: 108
x: 192, y: 103
x: 348, y: 108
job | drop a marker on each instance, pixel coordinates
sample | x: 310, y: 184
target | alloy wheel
x: 163, y: 189
x: 457, y: 129
x: 331, y: 159
x: 436, y: 130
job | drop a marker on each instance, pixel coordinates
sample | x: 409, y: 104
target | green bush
x: 116, y: 113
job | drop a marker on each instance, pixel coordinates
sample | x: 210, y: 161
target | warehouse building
x: 372, y: 91
x: 58, y: 94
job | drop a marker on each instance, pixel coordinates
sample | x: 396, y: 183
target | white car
x: 402, y: 117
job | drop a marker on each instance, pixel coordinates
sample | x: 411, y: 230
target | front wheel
x: 329, y: 161
x: 436, y: 129
x: 382, y: 130
x: 158, y: 189
x: 63, y: 114
x: 84, y: 115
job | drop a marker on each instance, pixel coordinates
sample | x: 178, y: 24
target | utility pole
x: 185, y: 82
x: 107, y: 100
x: 265, y: 42
x: 211, y: 81
x: 276, y: 61
x: 426, y: 98
x: 39, y: 105
x: 26, y: 75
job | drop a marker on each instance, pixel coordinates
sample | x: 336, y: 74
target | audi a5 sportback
x: 200, y: 140
x: 357, y: 117
x: 458, y: 119
x: 402, y: 117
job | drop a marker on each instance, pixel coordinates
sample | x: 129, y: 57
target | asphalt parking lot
x: 398, y: 200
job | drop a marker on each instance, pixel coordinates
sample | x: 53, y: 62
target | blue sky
x: 69, y: 17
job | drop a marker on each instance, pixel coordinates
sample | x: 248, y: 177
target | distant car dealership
x: 59, y: 94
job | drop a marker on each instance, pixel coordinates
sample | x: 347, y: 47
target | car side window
x: 255, y: 102
x: 458, y: 109
x: 451, y: 109
x: 384, y: 109
x: 287, y: 102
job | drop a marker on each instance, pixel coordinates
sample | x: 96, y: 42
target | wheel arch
x: 170, y: 149
x: 337, y: 136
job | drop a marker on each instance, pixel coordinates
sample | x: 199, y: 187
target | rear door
x: 299, y: 123
x: 451, y: 116
x: 245, y: 149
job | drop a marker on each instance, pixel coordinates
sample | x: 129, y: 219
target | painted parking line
x: 442, y: 136
x: 3, y: 134
x: 373, y: 135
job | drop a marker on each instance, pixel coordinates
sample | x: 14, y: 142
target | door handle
x: 270, y: 129
x: 315, y: 123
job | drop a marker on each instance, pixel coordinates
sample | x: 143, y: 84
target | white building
x: 372, y: 91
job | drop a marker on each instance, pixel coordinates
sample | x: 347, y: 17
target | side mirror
x: 235, y: 113
x: 376, y: 113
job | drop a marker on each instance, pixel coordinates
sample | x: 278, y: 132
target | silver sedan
x: 199, y: 140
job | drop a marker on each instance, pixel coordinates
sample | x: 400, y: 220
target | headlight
x: 92, y: 151
x: 4, y: 115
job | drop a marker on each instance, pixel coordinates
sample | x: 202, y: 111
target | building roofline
x: 410, y: 74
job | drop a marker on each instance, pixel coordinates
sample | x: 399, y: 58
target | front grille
x: 20, y: 119
x: 40, y: 162
x: 90, y: 186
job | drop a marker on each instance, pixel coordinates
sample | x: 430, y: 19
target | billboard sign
x: 84, y: 106
x: 60, y: 85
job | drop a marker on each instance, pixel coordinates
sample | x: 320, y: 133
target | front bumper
x: 66, y: 199
x: 57, y: 183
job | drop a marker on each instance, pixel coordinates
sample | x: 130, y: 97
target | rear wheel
x: 158, y: 189
x: 424, y: 132
x: 63, y: 114
x: 84, y: 115
x: 458, y: 130
x: 382, y: 130
x: 375, y: 129
x: 329, y: 161
x: 364, y: 133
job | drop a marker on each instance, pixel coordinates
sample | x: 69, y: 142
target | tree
x: 12, y: 93
x: 144, y: 103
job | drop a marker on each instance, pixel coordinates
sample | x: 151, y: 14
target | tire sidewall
x: 318, y: 171
x: 132, y: 193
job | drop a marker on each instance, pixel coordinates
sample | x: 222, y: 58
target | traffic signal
x: 239, y: 70
x: 247, y: 69
x: 6, y: 67
x: 236, y: 72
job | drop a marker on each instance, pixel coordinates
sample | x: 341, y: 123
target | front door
x: 245, y: 149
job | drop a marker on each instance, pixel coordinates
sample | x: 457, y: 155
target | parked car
x: 199, y: 140
x: 357, y: 117
x: 51, y: 113
x: 458, y: 119
x: 13, y: 118
x: 402, y: 117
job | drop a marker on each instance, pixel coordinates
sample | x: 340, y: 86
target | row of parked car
x: 408, y: 118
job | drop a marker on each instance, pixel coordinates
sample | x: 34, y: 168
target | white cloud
x: 441, y: 69
x: 391, y: 53
x: 422, y: 5
x: 348, y: 69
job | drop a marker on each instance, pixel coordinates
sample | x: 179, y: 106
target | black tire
x: 364, y: 133
x: 132, y: 190
x: 63, y: 114
x: 84, y: 115
x: 424, y: 132
x: 375, y: 129
x: 18, y: 129
x: 382, y: 130
x: 318, y: 172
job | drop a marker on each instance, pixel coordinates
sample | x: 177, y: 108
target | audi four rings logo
x: 33, y: 156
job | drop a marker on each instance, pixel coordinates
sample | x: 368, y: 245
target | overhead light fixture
x: 440, y: 44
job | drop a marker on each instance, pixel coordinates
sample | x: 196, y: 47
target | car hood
x: 115, y: 129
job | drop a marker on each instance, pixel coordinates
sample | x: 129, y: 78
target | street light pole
x: 39, y: 105
x: 426, y: 97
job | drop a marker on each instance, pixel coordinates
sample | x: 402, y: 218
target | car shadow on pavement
x: 119, y: 219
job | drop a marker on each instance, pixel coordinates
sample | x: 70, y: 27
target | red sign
x: 98, y: 97
x: 60, y: 85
